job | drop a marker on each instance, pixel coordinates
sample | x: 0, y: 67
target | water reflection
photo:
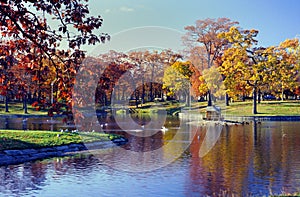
x: 32, y: 123
x: 148, y: 148
x: 246, y: 159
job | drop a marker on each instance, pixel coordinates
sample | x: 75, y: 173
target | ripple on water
x: 243, y: 161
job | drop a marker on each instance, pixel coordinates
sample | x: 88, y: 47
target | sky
x: 276, y: 20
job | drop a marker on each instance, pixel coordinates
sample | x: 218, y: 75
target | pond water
x: 187, y: 159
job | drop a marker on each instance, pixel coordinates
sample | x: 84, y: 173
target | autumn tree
x: 284, y: 58
x: 26, y: 31
x: 149, y: 67
x: 247, y: 66
x: 213, y: 82
x: 177, y: 79
x: 243, y: 62
x: 205, y: 33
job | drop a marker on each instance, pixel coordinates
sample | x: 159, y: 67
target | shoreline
x: 263, y: 118
x: 15, y: 156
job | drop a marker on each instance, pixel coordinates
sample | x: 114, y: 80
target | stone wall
x: 8, y: 157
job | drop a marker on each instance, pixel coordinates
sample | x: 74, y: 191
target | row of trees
x: 220, y: 59
x: 233, y: 64
x: 31, y: 58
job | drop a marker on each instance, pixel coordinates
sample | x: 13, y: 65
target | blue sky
x: 276, y: 20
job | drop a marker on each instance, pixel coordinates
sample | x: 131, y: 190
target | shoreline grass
x: 19, y: 139
x: 265, y: 108
x: 17, y: 109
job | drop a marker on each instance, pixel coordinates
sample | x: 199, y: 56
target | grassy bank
x: 170, y: 107
x: 16, y: 139
x: 265, y: 108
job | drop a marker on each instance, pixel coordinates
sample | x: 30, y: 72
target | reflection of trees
x: 226, y: 166
x: 20, y: 179
x: 246, y: 158
x: 275, y: 156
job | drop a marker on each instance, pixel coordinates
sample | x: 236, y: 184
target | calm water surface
x: 255, y: 159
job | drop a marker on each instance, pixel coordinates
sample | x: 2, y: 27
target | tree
x: 285, y: 60
x: 150, y: 64
x: 205, y: 33
x: 26, y: 33
x: 213, y: 82
x: 177, y: 79
x: 243, y: 63
x: 246, y: 66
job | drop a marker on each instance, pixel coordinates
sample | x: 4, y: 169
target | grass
x: 17, y: 139
x: 170, y: 107
x: 265, y: 108
x: 17, y: 109
x: 286, y: 194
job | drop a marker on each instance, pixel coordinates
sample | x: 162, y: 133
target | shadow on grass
x: 12, y: 144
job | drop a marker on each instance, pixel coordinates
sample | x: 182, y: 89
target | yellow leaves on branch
x: 213, y: 81
x: 177, y: 77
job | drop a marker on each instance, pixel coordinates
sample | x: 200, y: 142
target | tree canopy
x: 40, y: 36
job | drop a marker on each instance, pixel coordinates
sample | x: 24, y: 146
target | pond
x: 186, y: 159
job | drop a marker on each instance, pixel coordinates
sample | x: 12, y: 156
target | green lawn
x: 17, y: 109
x: 265, y: 108
x: 16, y: 139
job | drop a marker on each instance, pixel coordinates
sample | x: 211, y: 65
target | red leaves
x: 35, y: 78
x: 35, y: 104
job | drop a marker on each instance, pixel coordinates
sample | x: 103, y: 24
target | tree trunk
x: 6, y: 104
x: 226, y: 99
x: 136, y: 98
x: 259, y: 96
x: 151, y: 84
x: 187, y: 99
x: 25, y: 104
x: 143, y: 91
x: 254, y: 110
x: 209, y: 100
x: 151, y: 92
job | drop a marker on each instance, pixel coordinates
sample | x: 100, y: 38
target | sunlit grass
x: 17, y: 139
x: 17, y: 109
x: 265, y: 108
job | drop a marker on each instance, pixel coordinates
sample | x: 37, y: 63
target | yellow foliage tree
x: 177, y: 79
x: 245, y: 66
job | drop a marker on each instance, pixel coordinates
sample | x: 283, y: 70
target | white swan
x: 164, y: 129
